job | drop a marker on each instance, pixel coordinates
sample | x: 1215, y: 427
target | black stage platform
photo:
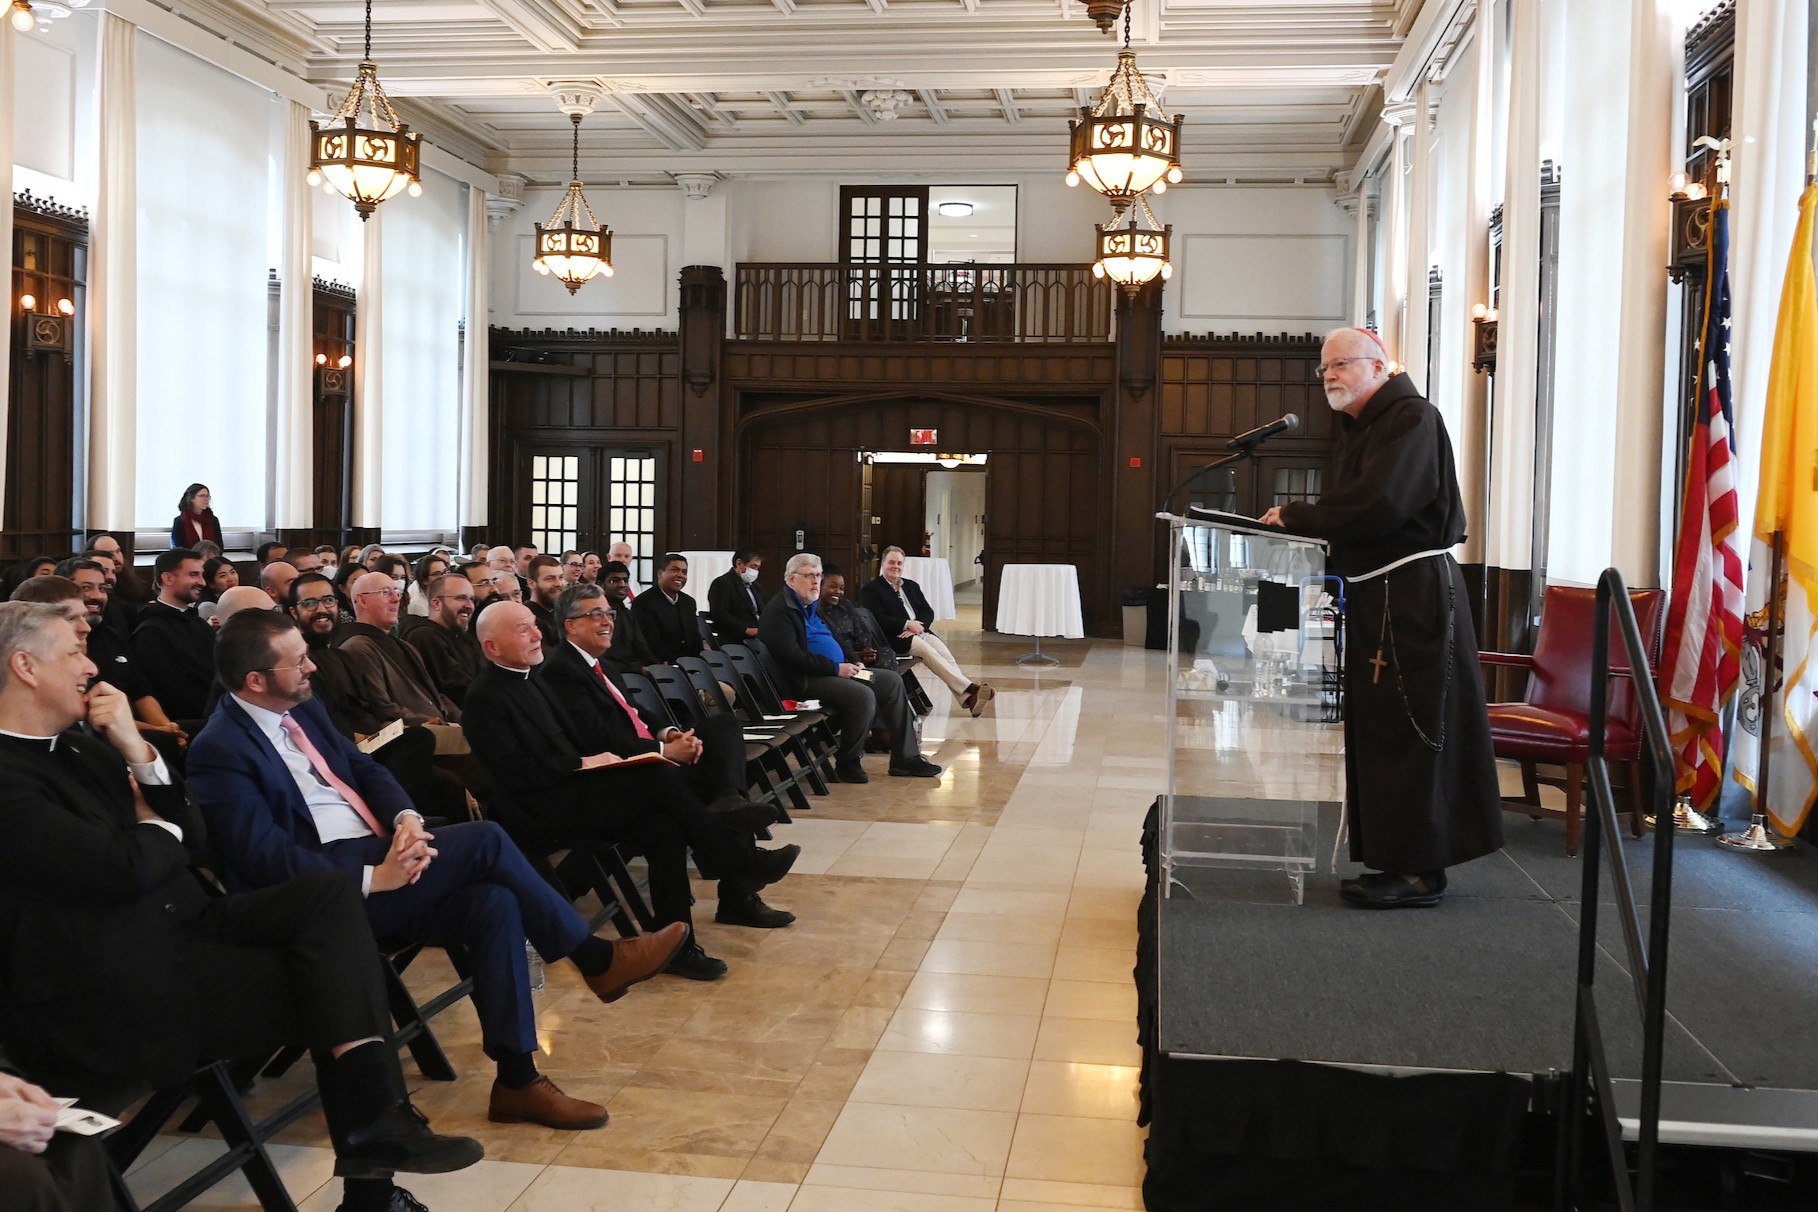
x: 1440, y: 1017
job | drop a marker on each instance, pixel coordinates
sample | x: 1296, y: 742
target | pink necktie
x: 636, y: 719
x: 307, y: 748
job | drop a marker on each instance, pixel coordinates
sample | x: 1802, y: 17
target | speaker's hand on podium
x: 1272, y: 517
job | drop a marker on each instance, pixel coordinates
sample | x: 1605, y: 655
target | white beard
x: 1339, y: 397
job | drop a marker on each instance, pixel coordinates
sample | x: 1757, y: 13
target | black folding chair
x: 767, y: 747
x: 813, y: 729
x: 585, y: 865
x: 709, y: 635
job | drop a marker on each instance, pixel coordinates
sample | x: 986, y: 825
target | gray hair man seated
x: 813, y: 665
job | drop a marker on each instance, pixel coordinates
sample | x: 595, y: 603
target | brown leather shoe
x: 637, y: 959
x: 542, y: 1102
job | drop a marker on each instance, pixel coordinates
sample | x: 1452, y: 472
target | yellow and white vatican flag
x: 1787, y: 508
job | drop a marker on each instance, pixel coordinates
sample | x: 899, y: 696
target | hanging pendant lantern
x: 1131, y: 255
x: 570, y: 250
x: 1125, y: 145
x: 371, y: 161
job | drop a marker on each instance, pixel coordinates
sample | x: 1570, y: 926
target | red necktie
x: 307, y: 748
x: 637, y: 721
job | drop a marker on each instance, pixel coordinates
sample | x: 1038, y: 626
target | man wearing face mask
x: 734, y: 599
x: 1420, y: 772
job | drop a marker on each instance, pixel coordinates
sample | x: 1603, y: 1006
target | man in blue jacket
x: 284, y: 793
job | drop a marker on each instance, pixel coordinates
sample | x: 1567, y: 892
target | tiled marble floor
x: 949, y: 1026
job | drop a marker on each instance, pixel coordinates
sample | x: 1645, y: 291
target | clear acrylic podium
x: 1255, y: 697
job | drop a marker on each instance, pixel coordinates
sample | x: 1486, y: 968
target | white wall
x: 647, y: 246
x: 1255, y: 259
x: 954, y: 508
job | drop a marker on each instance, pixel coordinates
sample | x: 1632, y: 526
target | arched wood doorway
x: 798, y: 469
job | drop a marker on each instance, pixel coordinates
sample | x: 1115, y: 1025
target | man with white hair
x: 1420, y: 782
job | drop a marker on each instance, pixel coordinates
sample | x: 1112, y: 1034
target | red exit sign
x: 924, y: 437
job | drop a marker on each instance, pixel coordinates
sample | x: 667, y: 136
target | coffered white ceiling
x: 1273, y: 90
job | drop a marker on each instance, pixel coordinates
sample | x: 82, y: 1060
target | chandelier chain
x: 368, y: 53
x: 575, y: 164
x: 1128, y: 5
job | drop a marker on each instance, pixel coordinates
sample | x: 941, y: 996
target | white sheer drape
x: 113, y: 276
x: 369, y: 376
x: 1509, y: 541
x: 425, y: 277
x: 204, y: 297
x: 1769, y: 132
x: 293, y: 497
x: 1420, y: 211
x: 475, y: 360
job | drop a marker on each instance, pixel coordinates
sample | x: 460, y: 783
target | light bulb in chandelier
x: 1132, y: 253
x: 22, y: 17
x: 1125, y: 145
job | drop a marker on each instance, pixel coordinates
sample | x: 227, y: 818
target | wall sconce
x: 1483, y: 339
x: 1691, y: 221
x: 342, y: 363
x: 28, y: 303
x: 66, y: 307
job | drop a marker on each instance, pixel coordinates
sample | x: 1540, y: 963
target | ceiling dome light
x: 573, y: 251
x: 1118, y: 146
x: 365, y: 164
x: 954, y: 210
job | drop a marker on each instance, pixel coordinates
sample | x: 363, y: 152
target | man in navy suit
x: 284, y: 794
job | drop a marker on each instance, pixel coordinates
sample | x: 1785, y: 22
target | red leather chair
x: 1553, y: 727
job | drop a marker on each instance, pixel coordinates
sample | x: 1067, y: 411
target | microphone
x: 1263, y: 433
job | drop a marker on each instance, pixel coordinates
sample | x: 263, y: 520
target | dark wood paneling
x: 49, y: 262
x: 332, y: 323
x: 896, y: 500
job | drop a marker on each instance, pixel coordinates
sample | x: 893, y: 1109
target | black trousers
x: 722, y: 765
x: 651, y: 810
x: 69, y: 1176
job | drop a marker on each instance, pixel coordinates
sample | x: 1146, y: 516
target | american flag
x: 1701, y: 660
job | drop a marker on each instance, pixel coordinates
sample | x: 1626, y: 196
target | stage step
x: 1727, y: 1117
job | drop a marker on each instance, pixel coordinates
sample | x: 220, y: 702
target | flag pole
x: 1758, y: 838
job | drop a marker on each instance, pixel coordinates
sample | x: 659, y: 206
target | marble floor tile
x: 921, y: 1182
x: 1088, y: 1041
x: 575, y: 1189
x: 1003, y: 928
x: 1071, y: 1149
x: 940, y: 1139
x: 929, y: 1079
x: 749, y: 1195
x: 1023, y: 1194
x: 490, y: 1186
x: 961, y: 1032
x: 847, y: 1199
x: 985, y: 994
x: 304, y: 1170
x: 990, y: 959
x: 994, y: 901
x: 1110, y: 1001
x: 1081, y: 1090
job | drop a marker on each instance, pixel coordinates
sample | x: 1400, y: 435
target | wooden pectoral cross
x: 1380, y: 663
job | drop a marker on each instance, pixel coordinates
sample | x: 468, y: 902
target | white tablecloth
x: 1039, y: 599
x: 935, y: 576
x: 703, y: 566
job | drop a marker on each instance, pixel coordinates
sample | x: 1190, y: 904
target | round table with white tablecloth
x: 935, y: 576
x: 1039, y: 600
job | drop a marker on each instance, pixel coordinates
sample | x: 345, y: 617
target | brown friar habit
x: 1420, y: 775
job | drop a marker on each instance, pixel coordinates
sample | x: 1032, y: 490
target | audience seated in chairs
x: 445, y: 638
x: 546, y: 584
x: 629, y: 653
x: 275, y: 578
x: 621, y: 551
x: 667, y: 616
x: 285, y: 794
x: 388, y: 672
x: 813, y: 665
x: 733, y: 598
x: 709, y: 759
x: 906, y: 616
x: 529, y: 743
x: 218, y: 576
x: 113, y: 655
x: 175, y: 646
x: 267, y: 552
x: 862, y: 640
x: 95, y: 879
x: 425, y: 572
x: 573, y: 565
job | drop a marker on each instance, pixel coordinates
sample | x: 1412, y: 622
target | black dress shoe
x: 401, y: 1139
x: 851, y: 772
x: 750, y: 910
x: 400, y: 1201
x: 920, y: 768
x: 1401, y: 891
x: 694, y: 964
x: 769, y: 866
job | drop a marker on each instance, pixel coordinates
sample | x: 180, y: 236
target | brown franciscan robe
x: 1420, y: 773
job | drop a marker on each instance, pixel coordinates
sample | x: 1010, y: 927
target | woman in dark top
x: 218, y: 576
x: 195, y: 521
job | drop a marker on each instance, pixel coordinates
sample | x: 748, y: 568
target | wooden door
x: 884, y: 239
x: 896, y: 507
x: 814, y: 491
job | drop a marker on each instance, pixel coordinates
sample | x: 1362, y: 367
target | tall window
x: 631, y: 508
x: 555, y: 494
x: 887, y: 226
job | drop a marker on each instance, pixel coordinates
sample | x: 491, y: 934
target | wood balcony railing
x: 1030, y: 304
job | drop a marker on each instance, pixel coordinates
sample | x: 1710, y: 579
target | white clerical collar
x: 675, y: 599
x: 27, y: 736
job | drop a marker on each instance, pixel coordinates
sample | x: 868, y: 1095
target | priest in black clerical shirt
x: 667, y: 618
x: 527, y: 742
x: 174, y: 645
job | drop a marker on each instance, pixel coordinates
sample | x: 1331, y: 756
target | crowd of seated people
x: 385, y: 754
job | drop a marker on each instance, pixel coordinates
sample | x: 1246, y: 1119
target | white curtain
x: 204, y: 287
x: 294, y: 437
x: 425, y: 276
x: 369, y: 366
x: 1360, y: 255
x: 1395, y: 238
x: 6, y: 232
x: 475, y: 360
x: 113, y: 275
x: 1420, y: 210
x: 1509, y: 541
x: 1767, y: 175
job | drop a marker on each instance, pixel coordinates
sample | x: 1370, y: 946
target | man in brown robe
x: 1420, y: 773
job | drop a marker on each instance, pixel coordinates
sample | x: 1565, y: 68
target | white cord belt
x: 1392, y: 565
